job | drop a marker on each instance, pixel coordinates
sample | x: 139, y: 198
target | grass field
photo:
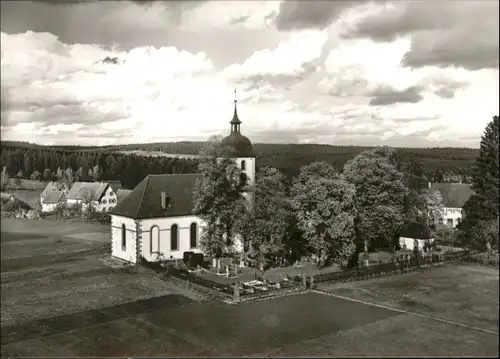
x: 60, y: 299
x: 53, y: 267
x: 462, y: 293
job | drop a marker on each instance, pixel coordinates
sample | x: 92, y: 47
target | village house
x: 454, y: 197
x: 52, y: 200
x: 97, y: 194
x: 414, y: 236
x: 156, y: 219
x: 53, y: 195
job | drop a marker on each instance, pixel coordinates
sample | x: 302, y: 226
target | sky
x: 397, y: 73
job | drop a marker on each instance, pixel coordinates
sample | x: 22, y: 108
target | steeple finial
x: 235, y: 122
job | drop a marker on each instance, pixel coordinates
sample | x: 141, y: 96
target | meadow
x: 63, y: 296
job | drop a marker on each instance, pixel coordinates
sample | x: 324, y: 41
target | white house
x: 156, y: 219
x: 52, y: 199
x: 454, y: 197
x: 53, y: 187
x: 415, y: 235
x: 99, y: 194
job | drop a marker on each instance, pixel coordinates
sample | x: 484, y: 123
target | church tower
x: 241, y: 148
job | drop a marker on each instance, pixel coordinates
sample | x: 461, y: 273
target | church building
x: 157, y: 216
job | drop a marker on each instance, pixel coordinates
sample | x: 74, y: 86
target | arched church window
x: 124, y: 236
x: 193, y: 235
x: 155, y: 239
x: 243, y: 165
x: 174, y: 237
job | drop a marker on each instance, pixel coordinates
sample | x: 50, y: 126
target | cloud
x: 383, y: 97
x: 298, y: 14
x: 443, y: 33
x: 367, y: 68
x: 287, y: 64
x: 119, y: 72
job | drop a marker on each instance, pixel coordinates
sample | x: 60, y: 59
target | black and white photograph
x: 220, y: 178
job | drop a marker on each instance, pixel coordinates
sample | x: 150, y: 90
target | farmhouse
x: 98, y: 194
x: 454, y: 197
x: 52, y: 200
x: 156, y: 219
x: 53, y: 194
x: 414, y: 236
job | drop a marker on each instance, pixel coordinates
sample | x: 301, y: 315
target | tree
x: 218, y: 198
x: 325, y: 210
x: 47, y: 174
x: 433, y: 209
x: 317, y: 170
x: 60, y: 173
x: 379, y: 197
x: 97, y: 173
x: 264, y: 227
x: 36, y: 175
x: 485, y: 172
x: 482, y: 208
x: 68, y: 177
x: 5, y: 177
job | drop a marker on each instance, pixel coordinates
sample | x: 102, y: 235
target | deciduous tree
x: 218, y: 198
x: 325, y: 210
x: 263, y: 228
x: 380, y: 198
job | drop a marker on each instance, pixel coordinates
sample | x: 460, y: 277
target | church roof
x: 454, y: 194
x: 145, y: 199
x: 239, y: 145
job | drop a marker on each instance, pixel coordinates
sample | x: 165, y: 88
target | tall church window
x: 243, y: 165
x: 124, y: 237
x: 174, y: 237
x: 155, y: 239
x: 193, y: 235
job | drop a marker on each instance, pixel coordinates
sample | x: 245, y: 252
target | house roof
x: 54, y: 197
x: 417, y: 231
x: 52, y: 187
x: 115, y: 185
x: 145, y: 200
x: 82, y: 190
x: 15, y: 205
x: 454, y: 194
x: 121, y: 194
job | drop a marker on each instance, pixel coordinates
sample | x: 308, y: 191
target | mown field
x: 61, y: 297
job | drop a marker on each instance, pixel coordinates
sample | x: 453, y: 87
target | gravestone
x: 236, y: 291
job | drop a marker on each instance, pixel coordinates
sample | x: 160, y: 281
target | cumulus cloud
x: 118, y: 72
x: 444, y: 33
x: 298, y: 14
x: 287, y: 64
x: 370, y: 69
x: 384, y: 97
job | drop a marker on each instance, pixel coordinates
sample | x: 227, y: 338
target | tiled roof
x: 121, y: 194
x: 454, y: 194
x: 54, y: 197
x: 115, y: 185
x: 52, y: 187
x: 416, y: 231
x: 145, y: 200
x: 82, y: 190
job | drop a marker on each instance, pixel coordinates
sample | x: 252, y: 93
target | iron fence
x: 360, y: 273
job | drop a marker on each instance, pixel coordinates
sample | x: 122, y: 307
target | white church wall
x: 127, y: 252
x: 161, y: 229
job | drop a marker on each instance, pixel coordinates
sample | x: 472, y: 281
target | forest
x: 27, y: 160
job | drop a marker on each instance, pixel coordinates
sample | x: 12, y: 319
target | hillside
x: 438, y: 164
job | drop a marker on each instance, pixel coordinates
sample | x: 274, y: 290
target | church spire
x: 235, y: 122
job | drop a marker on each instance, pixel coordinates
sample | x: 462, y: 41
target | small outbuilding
x: 415, y: 235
